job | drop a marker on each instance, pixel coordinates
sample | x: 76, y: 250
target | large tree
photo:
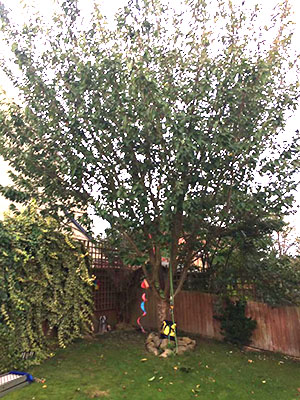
x: 165, y: 124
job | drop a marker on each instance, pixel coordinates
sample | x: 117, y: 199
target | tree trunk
x: 163, y: 312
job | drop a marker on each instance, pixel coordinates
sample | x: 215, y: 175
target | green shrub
x: 44, y: 278
x: 235, y: 326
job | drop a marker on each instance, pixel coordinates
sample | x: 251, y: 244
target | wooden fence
x: 278, y: 329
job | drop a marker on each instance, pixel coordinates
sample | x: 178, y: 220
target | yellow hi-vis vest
x: 168, y: 330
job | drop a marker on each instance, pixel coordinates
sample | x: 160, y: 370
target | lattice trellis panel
x: 106, y: 297
x: 107, y: 267
x: 103, y: 257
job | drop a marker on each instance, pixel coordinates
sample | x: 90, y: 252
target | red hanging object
x: 144, y: 285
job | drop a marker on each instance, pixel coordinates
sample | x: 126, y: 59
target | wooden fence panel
x: 278, y: 329
x: 194, y: 314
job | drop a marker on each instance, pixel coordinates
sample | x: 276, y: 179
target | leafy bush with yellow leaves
x: 44, y: 282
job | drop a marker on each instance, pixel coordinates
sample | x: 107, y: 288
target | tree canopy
x: 164, y: 124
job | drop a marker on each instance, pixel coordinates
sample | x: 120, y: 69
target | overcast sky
x: 109, y: 7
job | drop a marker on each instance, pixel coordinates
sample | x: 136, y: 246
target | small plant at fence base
x: 235, y: 326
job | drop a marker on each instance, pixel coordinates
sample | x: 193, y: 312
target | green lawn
x: 112, y: 367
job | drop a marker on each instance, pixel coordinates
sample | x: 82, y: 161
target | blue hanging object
x: 143, y: 306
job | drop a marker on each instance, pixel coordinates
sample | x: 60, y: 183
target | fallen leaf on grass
x: 42, y: 380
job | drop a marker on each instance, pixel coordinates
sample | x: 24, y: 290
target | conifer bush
x: 235, y: 326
